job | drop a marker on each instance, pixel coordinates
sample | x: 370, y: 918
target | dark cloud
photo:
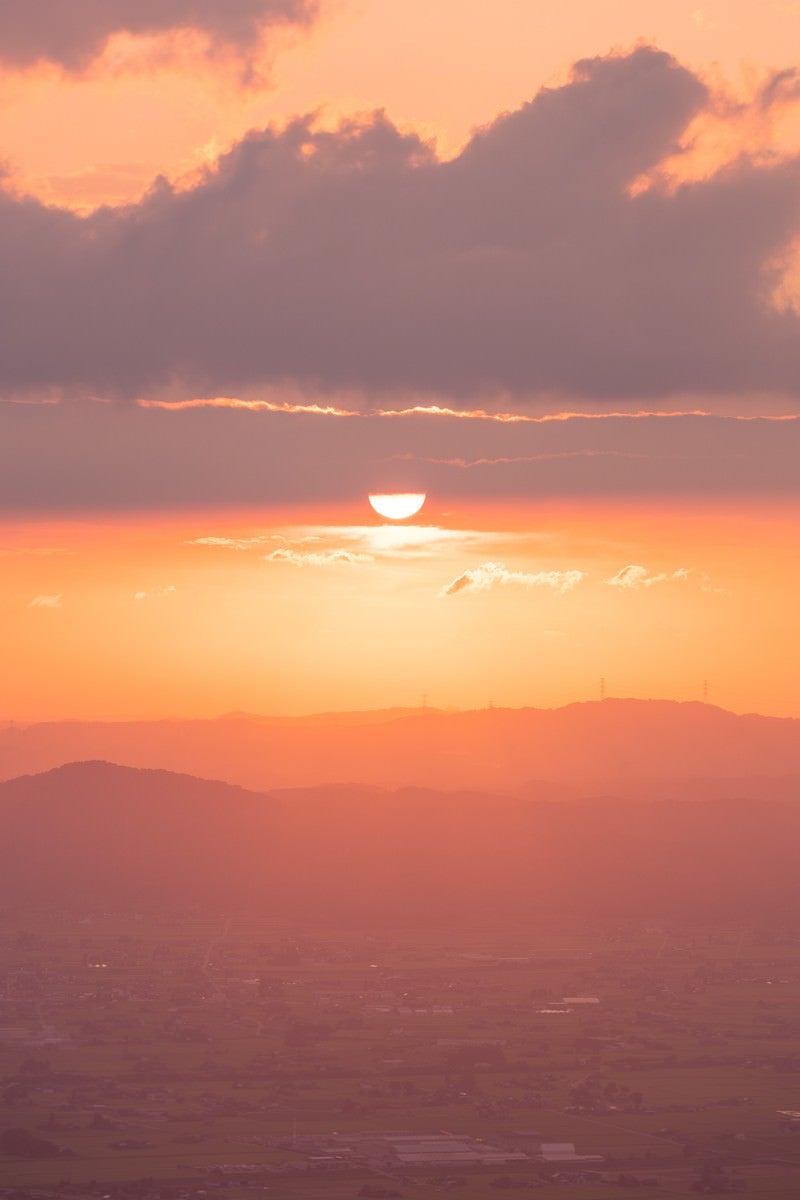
x: 73, y: 32
x: 781, y: 87
x: 115, y: 457
x: 357, y: 259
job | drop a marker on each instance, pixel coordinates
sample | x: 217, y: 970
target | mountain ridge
x: 618, y: 746
x: 94, y: 835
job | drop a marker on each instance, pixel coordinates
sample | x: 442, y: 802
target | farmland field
x: 235, y: 1055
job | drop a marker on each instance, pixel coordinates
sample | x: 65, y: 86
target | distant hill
x: 628, y: 748
x: 95, y: 834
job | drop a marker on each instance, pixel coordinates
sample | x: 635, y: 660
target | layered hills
x: 628, y: 748
x: 97, y: 834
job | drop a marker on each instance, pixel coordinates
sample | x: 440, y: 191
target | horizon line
x: 398, y: 710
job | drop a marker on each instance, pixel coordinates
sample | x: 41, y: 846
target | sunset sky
x: 262, y: 258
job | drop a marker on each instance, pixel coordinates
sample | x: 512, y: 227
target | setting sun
x: 398, y: 506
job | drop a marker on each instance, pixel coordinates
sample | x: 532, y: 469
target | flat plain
x: 232, y: 1055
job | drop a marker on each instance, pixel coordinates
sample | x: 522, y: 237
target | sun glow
x: 397, y: 506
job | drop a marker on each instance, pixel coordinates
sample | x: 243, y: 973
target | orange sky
x: 133, y: 620
x: 160, y: 106
x: 121, y: 612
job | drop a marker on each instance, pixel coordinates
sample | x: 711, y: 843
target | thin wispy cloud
x: 361, y: 408
x: 517, y: 459
x: 385, y: 541
x: 228, y: 543
x: 155, y: 593
x: 268, y: 406
x: 254, y: 541
x: 635, y: 576
x: 46, y: 601
x: 318, y: 558
x: 492, y: 574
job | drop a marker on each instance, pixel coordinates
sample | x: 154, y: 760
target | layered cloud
x: 490, y: 574
x: 114, y: 457
x: 73, y: 32
x: 357, y: 259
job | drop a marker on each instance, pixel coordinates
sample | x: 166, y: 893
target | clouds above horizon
x: 318, y: 558
x: 158, y: 593
x: 357, y: 260
x: 46, y: 601
x: 100, y: 457
x: 74, y: 32
x: 492, y: 574
x: 635, y: 576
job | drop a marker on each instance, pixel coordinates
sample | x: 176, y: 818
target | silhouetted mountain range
x: 96, y: 834
x: 629, y: 748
